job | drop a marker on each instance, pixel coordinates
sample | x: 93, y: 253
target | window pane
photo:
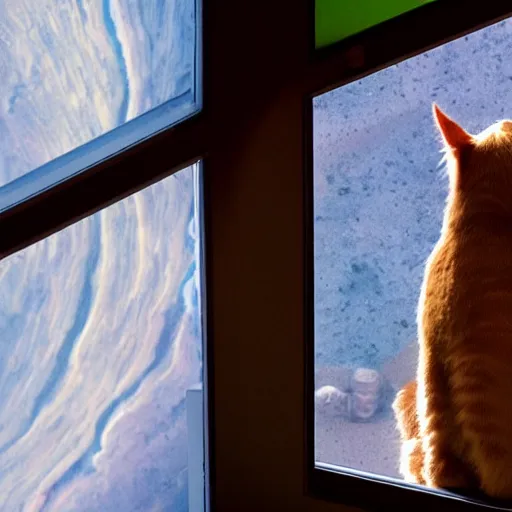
x: 379, y: 195
x: 73, y: 71
x: 335, y: 20
x: 101, y: 360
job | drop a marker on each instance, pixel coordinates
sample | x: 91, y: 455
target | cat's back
x: 468, y: 280
x: 473, y: 270
x: 473, y: 273
x: 464, y: 379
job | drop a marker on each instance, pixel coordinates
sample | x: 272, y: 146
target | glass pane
x: 380, y: 190
x: 73, y: 71
x: 101, y: 360
x: 335, y: 20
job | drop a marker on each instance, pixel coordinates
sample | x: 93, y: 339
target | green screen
x: 337, y: 19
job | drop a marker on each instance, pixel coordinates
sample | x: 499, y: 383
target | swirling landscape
x: 99, y: 324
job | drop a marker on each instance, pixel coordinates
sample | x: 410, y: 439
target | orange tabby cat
x: 411, y: 457
x: 456, y: 422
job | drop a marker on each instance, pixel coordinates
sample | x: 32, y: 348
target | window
x: 255, y: 449
x: 76, y: 71
x: 102, y: 359
x: 379, y: 197
x: 379, y: 193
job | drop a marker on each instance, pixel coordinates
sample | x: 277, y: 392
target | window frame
x: 254, y: 137
x: 346, y: 486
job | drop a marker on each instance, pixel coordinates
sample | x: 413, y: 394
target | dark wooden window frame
x: 254, y: 136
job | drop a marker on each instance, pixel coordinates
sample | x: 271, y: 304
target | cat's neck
x: 483, y: 214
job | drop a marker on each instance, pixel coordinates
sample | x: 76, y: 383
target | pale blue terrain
x: 100, y: 333
x: 380, y: 188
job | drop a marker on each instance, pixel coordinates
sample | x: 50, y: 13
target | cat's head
x: 478, y: 164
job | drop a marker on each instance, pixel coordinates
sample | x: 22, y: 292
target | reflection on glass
x: 379, y: 196
x: 101, y: 344
x: 72, y: 71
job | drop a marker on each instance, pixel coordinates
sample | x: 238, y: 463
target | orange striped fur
x: 455, y: 420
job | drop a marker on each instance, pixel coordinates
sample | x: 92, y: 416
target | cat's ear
x: 454, y: 136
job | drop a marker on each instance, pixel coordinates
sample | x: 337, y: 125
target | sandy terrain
x: 371, y: 446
